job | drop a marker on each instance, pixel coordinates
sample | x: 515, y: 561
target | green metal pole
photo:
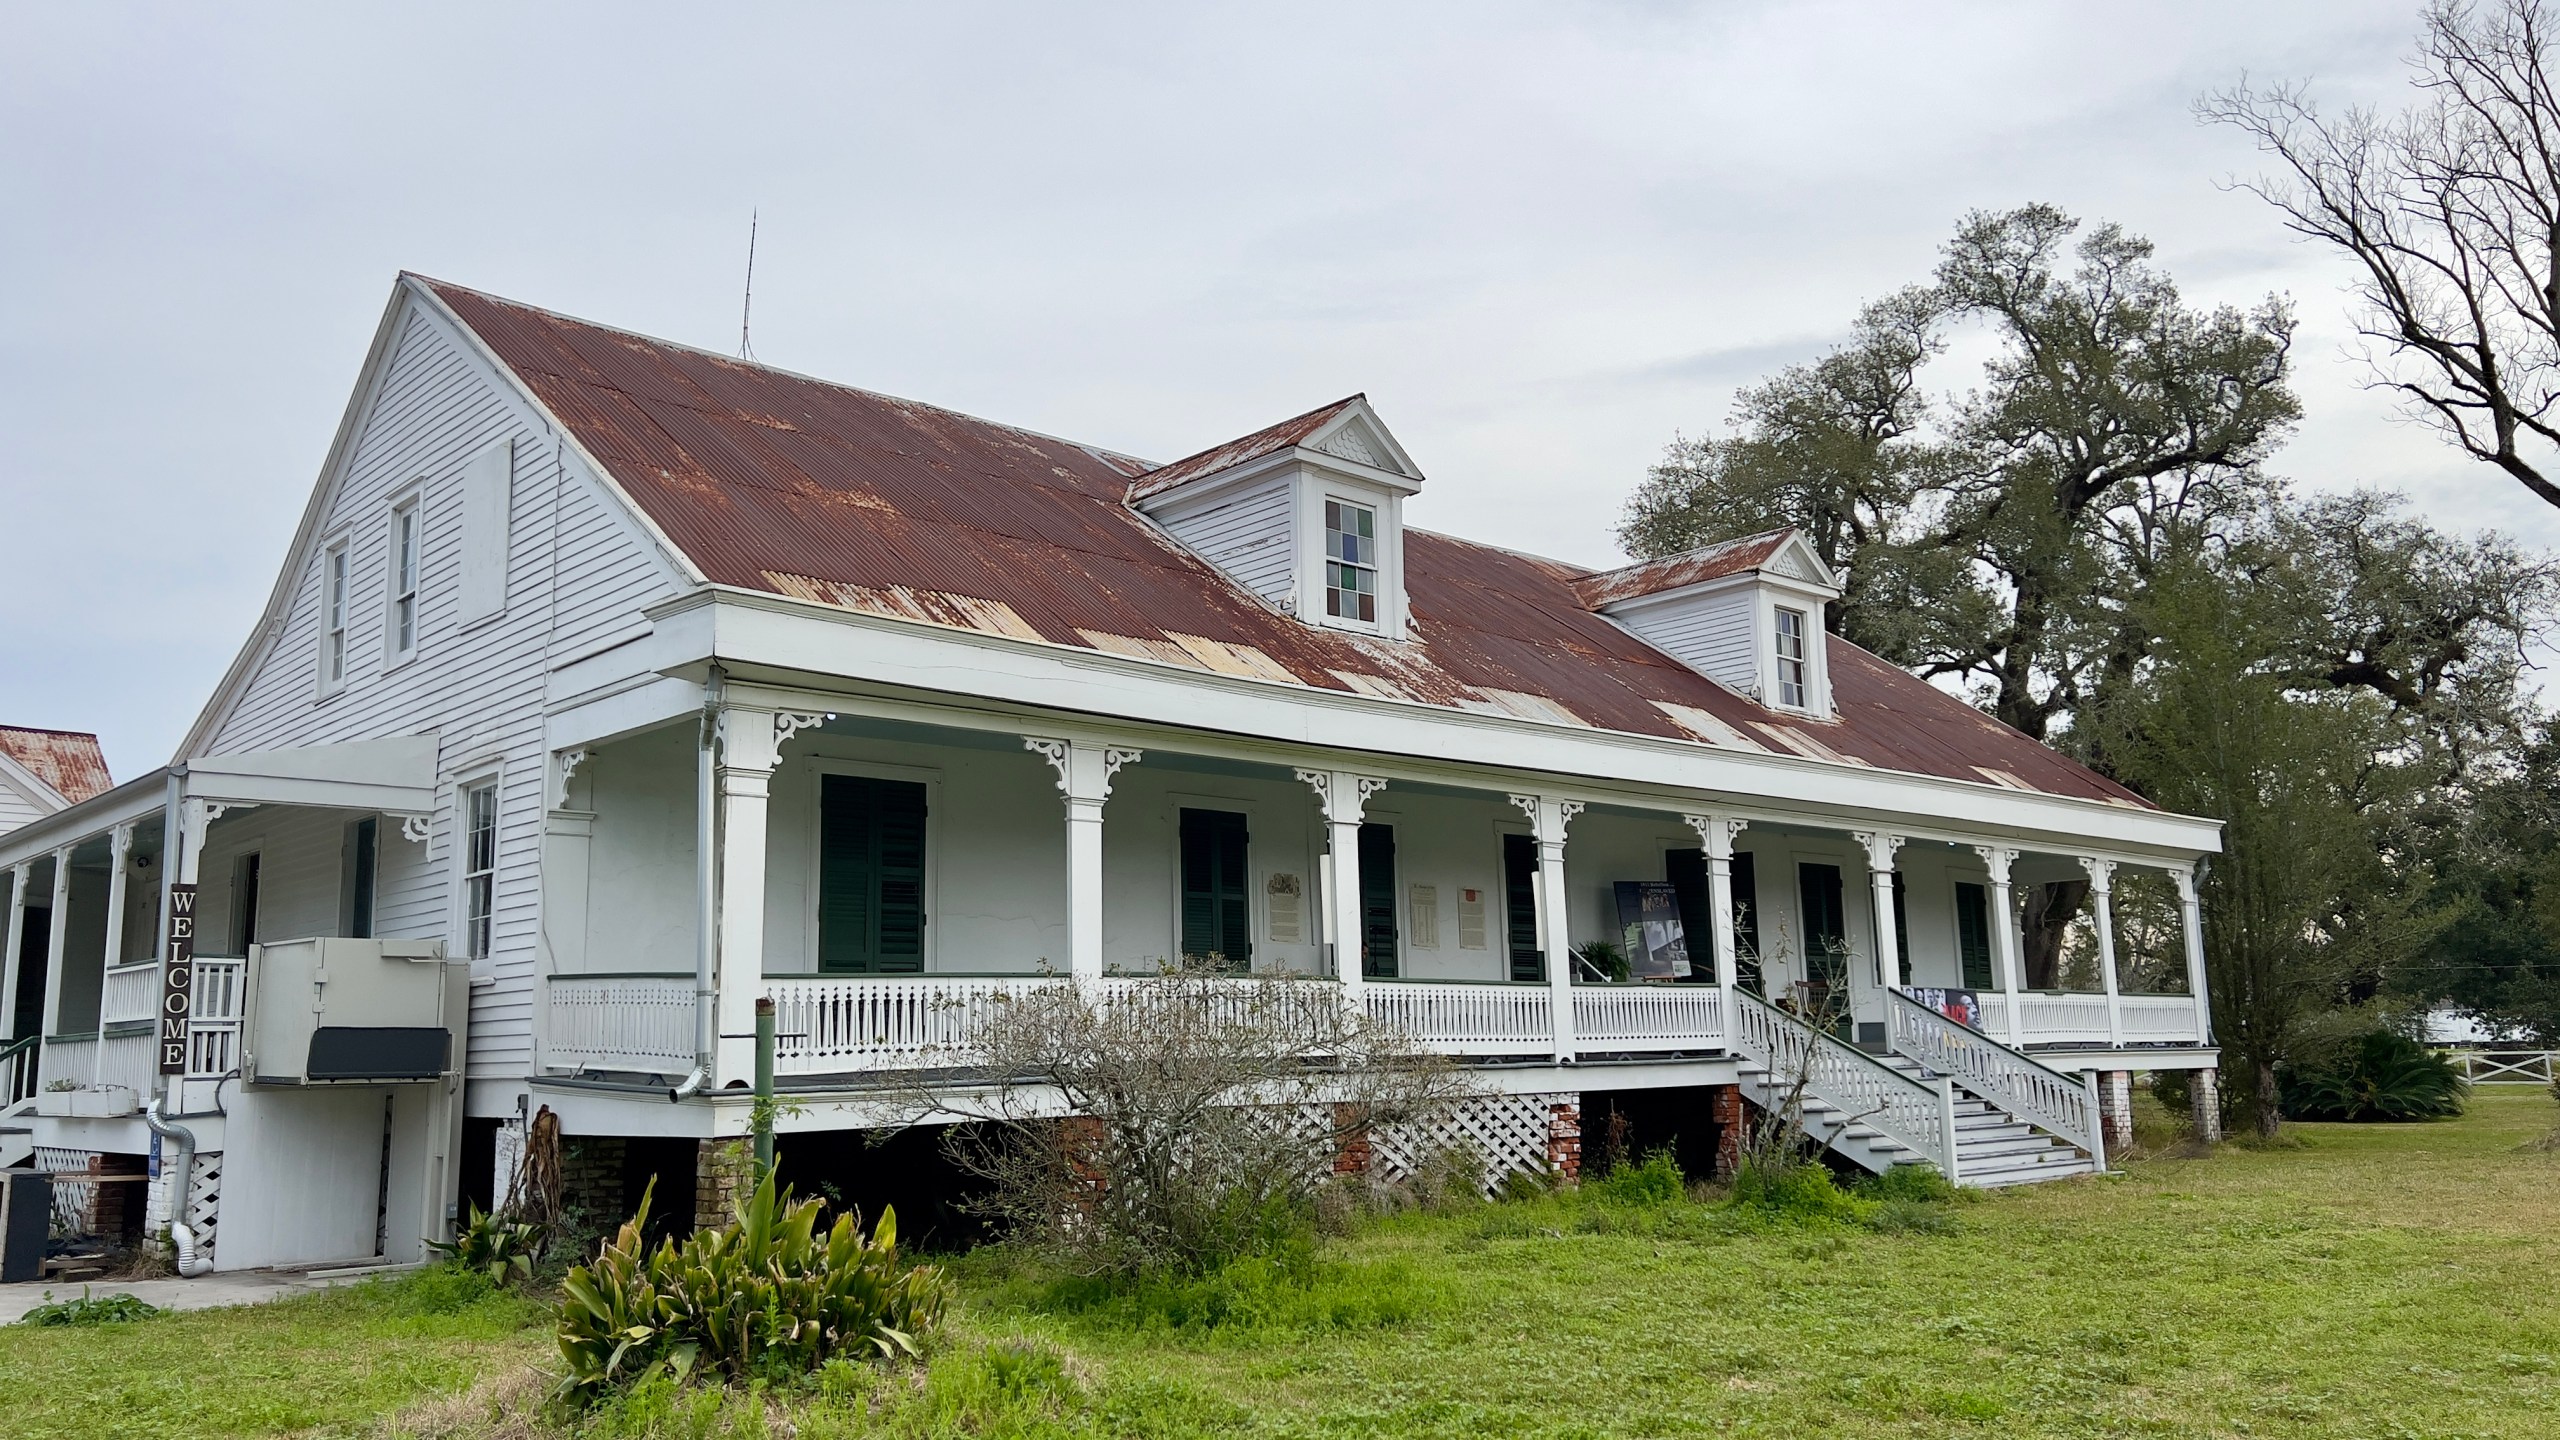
x: 764, y: 1086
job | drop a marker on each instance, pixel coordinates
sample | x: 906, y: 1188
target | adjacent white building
x: 634, y: 683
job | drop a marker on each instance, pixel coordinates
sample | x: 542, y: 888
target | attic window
x: 1351, y: 562
x: 1791, y: 658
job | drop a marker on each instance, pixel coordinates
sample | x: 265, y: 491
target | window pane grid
x: 1351, y: 561
x: 480, y: 866
x: 334, y: 660
x: 404, y: 579
x: 1791, y: 657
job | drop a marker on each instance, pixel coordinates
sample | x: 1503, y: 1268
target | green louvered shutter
x: 1746, y: 923
x: 1687, y: 872
x: 1217, y: 916
x: 871, y: 843
x: 1973, y: 936
x: 1378, y: 902
x: 1520, y: 907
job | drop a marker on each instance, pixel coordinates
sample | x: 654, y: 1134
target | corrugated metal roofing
x: 777, y: 482
x: 1689, y: 567
x: 68, y: 760
x: 1292, y: 431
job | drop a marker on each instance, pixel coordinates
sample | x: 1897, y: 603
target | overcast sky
x: 1542, y: 238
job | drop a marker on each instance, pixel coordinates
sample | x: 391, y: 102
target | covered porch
x: 915, y: 869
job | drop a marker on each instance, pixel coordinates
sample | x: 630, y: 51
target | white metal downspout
x: 706, y: 989
x: 191, y: 1261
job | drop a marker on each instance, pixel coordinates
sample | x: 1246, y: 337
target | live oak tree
x: 1991, y: 535
x: 2450, y: 214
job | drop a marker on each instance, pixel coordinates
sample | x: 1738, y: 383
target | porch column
x: 750, y: 746
x: 568, y: 838
x: 111, y: 955
x: 1547, y: 821
x: 1880, y: 850
x: 1715, y: 840
x: 1084, y: 779
x: 2004, y: 930
x: 18, y: 875
x: 50, y: 1021
x: 1345, y: 798
x: 2191, y: 917
x: 2101, y: 894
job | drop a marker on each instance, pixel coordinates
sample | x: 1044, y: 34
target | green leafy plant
x: 1802, y: 1192
x: 764, y: 1297
x: 2380, y: 1075
x: 100, y: 1310
x: 1657, y: 1181
x: 1602, y: 961
x: 495, y: 1246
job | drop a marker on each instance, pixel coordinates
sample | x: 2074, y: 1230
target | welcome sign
x: 176, y: 996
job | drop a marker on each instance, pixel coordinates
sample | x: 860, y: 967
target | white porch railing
x: 128, y: 1060
x: 1463, y: 1018
x: 218, y: 990
x: 131, y: 994
x: 18, y: 1061
x: 2159, y: 1019
x: 67, y: 1057
x: 834, y: 1026
x: 1860, y: 1087
x: 1648, y: 1017
x: 2025, y: 1087
x: 641, y: 1023
x: 2069, y: 1018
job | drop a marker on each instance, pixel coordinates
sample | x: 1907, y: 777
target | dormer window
x: 1306, y: 514
x: 1351, y: 562
x: 1791, y: 671
x: 1746, y: 614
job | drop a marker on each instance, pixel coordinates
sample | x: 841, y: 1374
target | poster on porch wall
x: 1962, y: 1006
x: 1649, y: 921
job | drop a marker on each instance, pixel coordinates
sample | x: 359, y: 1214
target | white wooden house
x: 648, y: 682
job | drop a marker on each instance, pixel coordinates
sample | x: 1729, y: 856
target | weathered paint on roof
x: 1269, y: 440
x: 67, y: 760
x: 1689, y: 567
x: 777, y: 482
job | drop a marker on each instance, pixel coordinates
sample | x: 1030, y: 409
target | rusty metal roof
x: 1689, y: 567
x: 67, y: 760
x: 778, y: 482
x: 1268, y: 440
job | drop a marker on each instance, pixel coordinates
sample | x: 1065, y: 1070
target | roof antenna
x: 746, y: 308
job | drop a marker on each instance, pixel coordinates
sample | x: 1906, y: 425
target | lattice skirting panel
x: 1507, y: 1133
x: 70, y: 1201
x: 204, y: 1200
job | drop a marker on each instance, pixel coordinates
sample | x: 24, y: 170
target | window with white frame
x: 479, y: 815
x: 403, y: 619
x: 1791, y: 652
x: 1351, y: 561
x: 333, y: 618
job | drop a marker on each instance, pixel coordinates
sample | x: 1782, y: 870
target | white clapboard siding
x: 1710, y: 634
x: 577, y: 567
x: 16, y: 809
x: 1251, y: 535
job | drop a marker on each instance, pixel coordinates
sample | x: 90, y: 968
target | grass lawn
x: 2369, y: 1281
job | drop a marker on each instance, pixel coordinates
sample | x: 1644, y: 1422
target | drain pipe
x: 191, y: 1263
x: 706, y: 988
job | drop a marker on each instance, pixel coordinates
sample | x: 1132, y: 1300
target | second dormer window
x: 1351, y: 562
x: 1791, y: 658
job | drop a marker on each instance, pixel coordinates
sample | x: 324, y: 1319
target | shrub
x: 1204, y: 1114
x: 1803, y: 1192
x: 101, y: 1310
x: 763, y: 1297
x: 502, y: 1249
x: 1911, y: 1184
x: 2380, y: 1075
x: 1657, y: 1181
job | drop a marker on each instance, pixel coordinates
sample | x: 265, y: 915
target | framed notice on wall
x: 1962, y: 1006
x: 1649, y: 921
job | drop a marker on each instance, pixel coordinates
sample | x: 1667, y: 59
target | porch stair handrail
x: 2011, y: 1079
x: 18, y: 1061
x: 1863, y: 1089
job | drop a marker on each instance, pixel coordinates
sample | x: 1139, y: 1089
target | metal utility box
x: 331, y: 1010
